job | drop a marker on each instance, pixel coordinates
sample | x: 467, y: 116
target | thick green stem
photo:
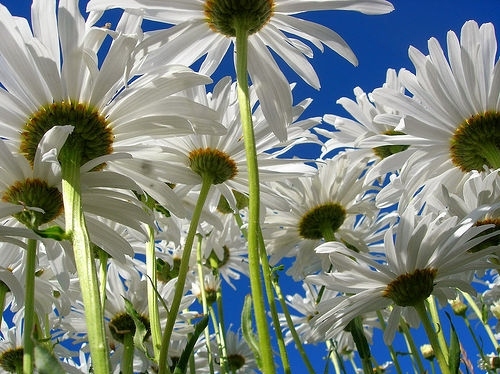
x: 183, y: 270
x: 29, y: 307
x: 222, y: 331
x: 103, y: 276
x: 154, y: 314
x: 431, y: 334
x: 84, y: 258
x: 358, y: 334
x: 433, y: 311
x: 254, y: 200
x: 127, y: 363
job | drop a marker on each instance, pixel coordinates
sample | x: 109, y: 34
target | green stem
x: 433, y: 339
x: 127, y: 363
x: 204, y: 303
x: 103, y: 276
x: 29, y: 309
x: 84, y: 258
x: 222, y: 332
x: 183, y: 270
x: 254, y: 200
x: 471, y: 302
x: 415, y: 355
x: 393, y: 354
x: 433, y: 310
x: 296, y: 339
x: 3, y: 294
x: 153, y: 309
x: 268, y: 277
x: 358, y: 334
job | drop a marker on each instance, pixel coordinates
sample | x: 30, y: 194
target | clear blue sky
x: 380, y: 42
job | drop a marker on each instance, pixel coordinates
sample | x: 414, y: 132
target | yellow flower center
x: 35, y: 193
x: 222, y: 15
x: 411, y: 288
x: 91, y: 134
x: 123, y: 324
x: 388, y: 150
x: 322, y: 221
x: 476, y: 142
x: 212, y: 163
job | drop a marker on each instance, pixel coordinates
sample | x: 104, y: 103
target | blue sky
x: 379, y: 42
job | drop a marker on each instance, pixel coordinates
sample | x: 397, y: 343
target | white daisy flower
x: 208, y: 28
x: 55, y: 77
x: 453, y: 117
x: 223, y: 157
x: 325, y: 206
x: 425, y: 255
x: 370, y: 118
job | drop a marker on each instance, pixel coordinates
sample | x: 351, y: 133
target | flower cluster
x: 133, y: 188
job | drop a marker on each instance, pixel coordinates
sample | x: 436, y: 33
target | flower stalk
x: 84, y: 258
x: 254, y: 199
x: 29, y: 311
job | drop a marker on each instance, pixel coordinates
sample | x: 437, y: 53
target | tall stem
x: 154, y: 314
x: 431, y: 334
x: 254, y: 200
x: 84, y: 258
x: 29, y: 307
x: 183, y: 270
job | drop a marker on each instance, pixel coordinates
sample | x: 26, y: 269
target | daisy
x: 370, y: 118
x: 453, y: 117
x: 56, y: 76
x: 324, y: 207
x: 223, y: 157
x: 209, y: 28
x: 425, y: 255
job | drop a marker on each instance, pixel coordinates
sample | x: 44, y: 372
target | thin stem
x: 431, y: 334
x: 393, y: 353
x: 471, y: 302
x: 296, y: 339
x: 3, y: 293
x: 84, y: 258
x: 266, y: 351
x: 29, y: 307
x: 154, y: 313
x: 222, y: 331
x: 268, y: 277
x: 127, y: 362
x: 204, y: 303
x: 183, y: 270
x: 415, y: 355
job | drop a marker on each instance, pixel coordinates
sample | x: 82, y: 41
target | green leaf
x: 45, y: 362
x: 140, y: 329
x: 246, y: 329
x: 454, y: 349
x: 182, y: 364
x: 53, y: 232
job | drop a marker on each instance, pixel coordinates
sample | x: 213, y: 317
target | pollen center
x: 235, y: 362
x: 319, y: 221
x: 35, y: 193
x: 91, y: 133
x: 476, y: 142
x: 411, y: 288
x: 390, y: 149
x: 212, y: 163
x: 222, y: 15
x: 492, y: 241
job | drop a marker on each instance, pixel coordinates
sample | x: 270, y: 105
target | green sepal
x: 182, y: 364
x: 246, y: 329
x: 53, y: 232
x: 45, y: 362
